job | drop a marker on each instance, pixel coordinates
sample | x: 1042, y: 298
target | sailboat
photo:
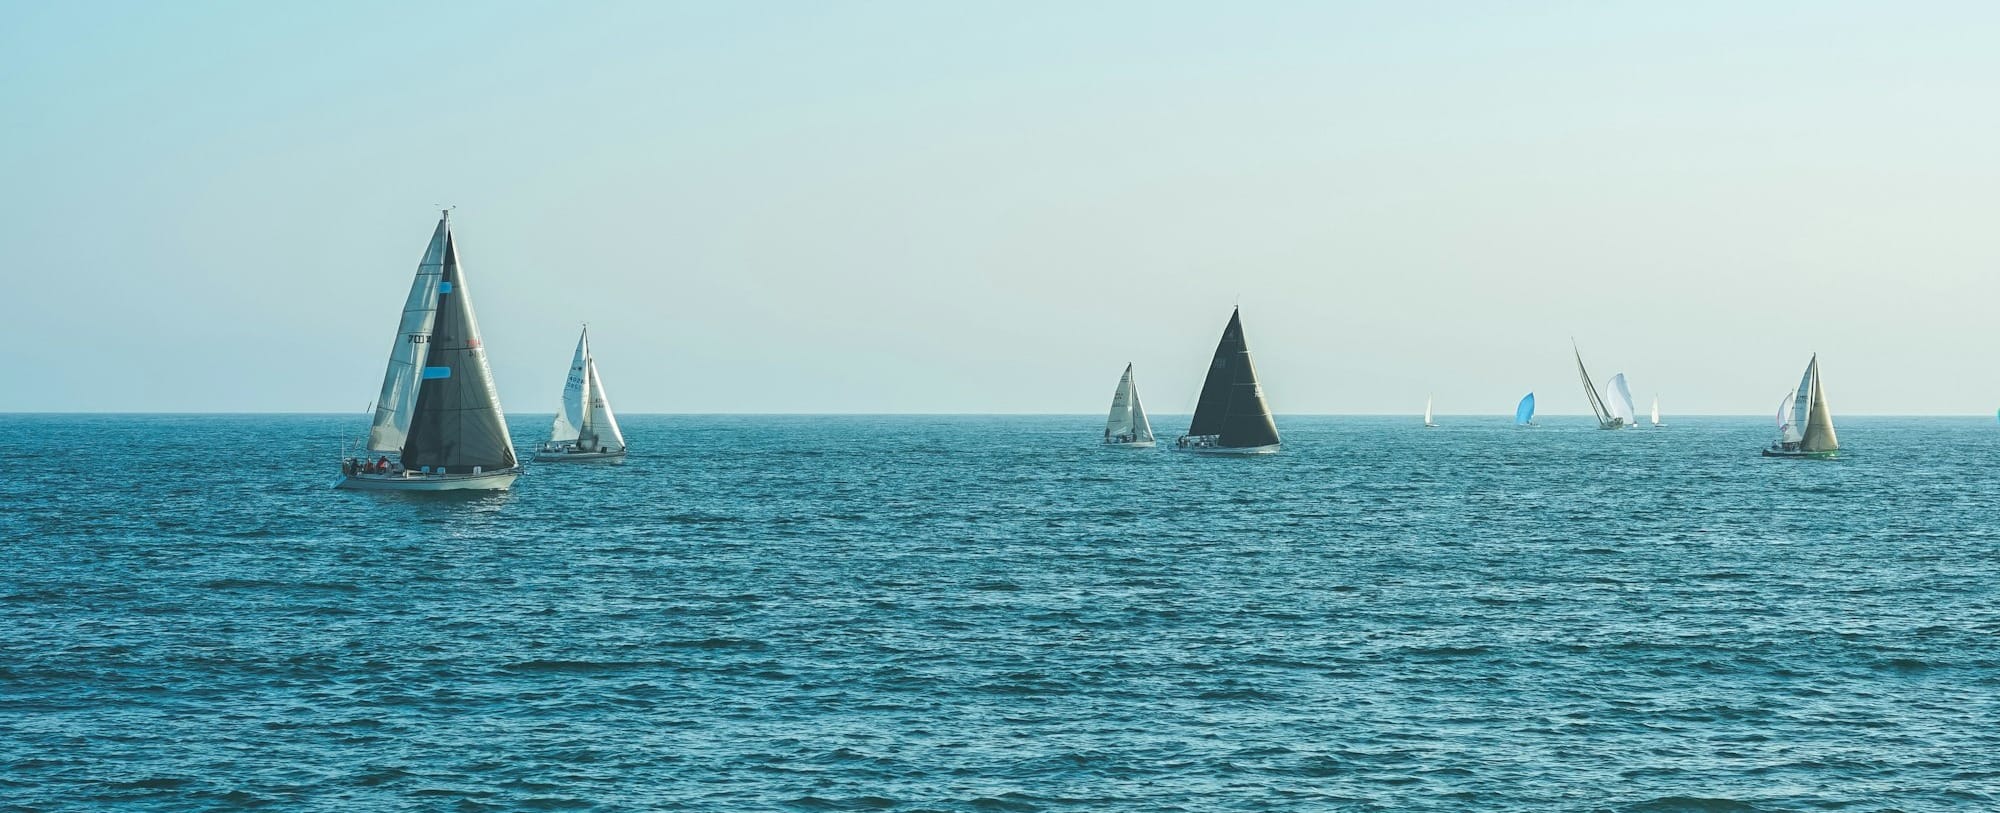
x: 584, y: 429
x: 1524, y: 412
x: 438, y: 413
x: 1656, y: 414
x: 1618, y: 399
x: 1231, y: 416
x: 1127, y: 426
x: 1427, y: 413
x: 1806, y: 429
x: 1606, y: 419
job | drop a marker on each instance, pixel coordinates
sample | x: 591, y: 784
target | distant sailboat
x: 585, y: 428
x: 1806, y: 429
x: 1427, y: 412
x: 1606, y: 419
x: 437, y: 413
x: 1524, y: 412
x: 1127, y: 426
x: 1231, y: 416
x: 1656, y: 413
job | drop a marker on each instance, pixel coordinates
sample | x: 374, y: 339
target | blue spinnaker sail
x: 1526, y: 411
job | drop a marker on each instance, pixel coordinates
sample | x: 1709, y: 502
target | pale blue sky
x: 957, y: 207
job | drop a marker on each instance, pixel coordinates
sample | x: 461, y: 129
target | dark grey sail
x: 457, y: 425
x: 1231, y: 407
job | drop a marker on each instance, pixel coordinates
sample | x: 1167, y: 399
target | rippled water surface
x: 971, y: 613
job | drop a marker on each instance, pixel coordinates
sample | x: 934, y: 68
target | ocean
x: 995, y: 614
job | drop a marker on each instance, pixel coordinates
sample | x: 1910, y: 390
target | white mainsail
x: 391, y: 424
x: 1127, y: 416
x: 1620, y: 402
x: 569, y: 415
x: 1656, y: 411
x: 1801, y: 406
x: 1427, y: 411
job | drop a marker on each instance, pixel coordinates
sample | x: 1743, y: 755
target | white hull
x: 579, y: 457
x: 1131, y: 444
x: 414, y: 481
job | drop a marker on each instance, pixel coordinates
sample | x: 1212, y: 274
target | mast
x: 1232, y: 406
x: 1819, y: 435
x: 456, y: 425
x: 400, y: 381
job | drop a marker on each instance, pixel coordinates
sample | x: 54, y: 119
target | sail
x: 1590, y: 389
x: 1619, y: 400
x: 1142, y: 429
x: 600, y: 428
x: 1427, y: 412
x: 1119, y: 422
x: 1525, y: 411
x: 1819, y: 424
x: 1232, y: 405
x: 1656, y: 410
x: 1788, y: 432
x: 457, y: 424
x: 1802, y: 402
x: 569, y: 415
x: 399, y: 383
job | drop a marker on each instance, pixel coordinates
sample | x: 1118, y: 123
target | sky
x: 993, y: 207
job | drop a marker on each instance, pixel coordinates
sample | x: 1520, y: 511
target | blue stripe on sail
x: 436, y: 372
x: 444, y: 287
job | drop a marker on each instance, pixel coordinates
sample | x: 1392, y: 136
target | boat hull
x: 411, y: 481
x: 1231, y: 451
x: 1132, y: 444
x: 579, y: 457
x: 1801, y: 455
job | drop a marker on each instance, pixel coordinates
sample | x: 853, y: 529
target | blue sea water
x: 995, y: 614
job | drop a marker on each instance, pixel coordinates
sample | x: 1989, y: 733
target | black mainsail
x: 1605, y: 420
x: 1231, y: 408
x: 456, y: 426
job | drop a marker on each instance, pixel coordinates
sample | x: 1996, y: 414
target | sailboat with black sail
x: 1231, y: 416
x: 1606, y: 418
x: 1806, y: 430
x: 437, y: 414
x: 585, y: 429
x: 1126, y: 426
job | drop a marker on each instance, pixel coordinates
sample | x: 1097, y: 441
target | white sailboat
x: 1427, y: 413
x: 1805, y: 429
x: 1127, y: 426
x: 438, y: 413
x: 585, y: 428
x: 1656, y: 413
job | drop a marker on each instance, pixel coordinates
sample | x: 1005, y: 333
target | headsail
x: 399, y: 383
x: 1802, y: 402
x: 1819, y: 422
x: 456, y: 425
x: 1589, y: 389
x: 569, y: 414
x: 599, y: 430
x: 1141, y: 427
x: 1232, y: 407
x: 1619, y: 400
x: 1524, y: 412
